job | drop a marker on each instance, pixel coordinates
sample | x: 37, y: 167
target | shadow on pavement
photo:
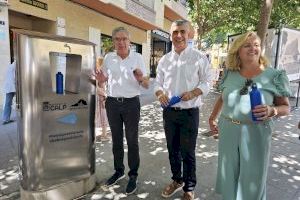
x: 284, y: 169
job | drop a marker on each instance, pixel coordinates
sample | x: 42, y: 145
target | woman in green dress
x: 244, y: 145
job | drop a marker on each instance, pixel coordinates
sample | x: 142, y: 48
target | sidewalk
x: 284, y: 170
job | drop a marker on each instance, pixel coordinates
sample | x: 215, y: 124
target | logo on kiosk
x: 47, y: 106
x: 79, y: 105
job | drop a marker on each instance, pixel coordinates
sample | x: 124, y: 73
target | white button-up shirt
x: 179, y: 73
x: 10, y: 80
x: 121, y: 81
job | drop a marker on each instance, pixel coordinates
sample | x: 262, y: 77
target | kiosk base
x: 64, y: 191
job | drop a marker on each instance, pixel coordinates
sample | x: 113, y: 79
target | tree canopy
x: 215, y: 19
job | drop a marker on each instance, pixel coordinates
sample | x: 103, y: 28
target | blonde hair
x: 233, y: 61
x: 99, y: 62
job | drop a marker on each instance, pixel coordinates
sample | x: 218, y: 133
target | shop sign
x: 36, y: 3
x: 161, y: 33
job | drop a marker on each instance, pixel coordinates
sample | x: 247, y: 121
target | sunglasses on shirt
x: 244, y: 89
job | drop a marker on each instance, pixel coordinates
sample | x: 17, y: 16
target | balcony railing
x: 178, y: 8
x: 141, y: 8
x: 147, y: 3
x: 183, y: 2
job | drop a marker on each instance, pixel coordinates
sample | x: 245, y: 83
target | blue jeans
x: 7, y: 106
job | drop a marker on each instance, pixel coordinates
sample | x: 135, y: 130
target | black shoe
x: 131, y: 186
x: 114, y: 179
x: 7, y: 122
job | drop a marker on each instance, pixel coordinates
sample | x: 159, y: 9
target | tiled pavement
x: 284, y: 170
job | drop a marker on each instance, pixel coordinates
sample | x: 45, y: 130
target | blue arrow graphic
x: 68, y: 119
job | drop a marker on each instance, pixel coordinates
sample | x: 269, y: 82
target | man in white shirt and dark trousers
x: 183, y: 72
x: 10, y: 91
x: 124, y: 72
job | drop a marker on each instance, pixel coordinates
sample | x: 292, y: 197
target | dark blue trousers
x: 124, y: 111
x: 181, y: 129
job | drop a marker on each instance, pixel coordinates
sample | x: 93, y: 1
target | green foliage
x: 215, y: 19
x: 285, y: 13
x: 215, y: 36
x: 107, y: 45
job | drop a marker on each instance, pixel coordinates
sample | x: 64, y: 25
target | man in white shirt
x: 10, y: 91
x: 183, y: 72
x: 124, y: 72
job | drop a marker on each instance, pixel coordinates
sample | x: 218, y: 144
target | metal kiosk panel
x: 56, y: 131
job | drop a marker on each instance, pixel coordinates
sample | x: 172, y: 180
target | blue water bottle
x: 255, y: 99
x: 173, y: 100
x: 59, y: 83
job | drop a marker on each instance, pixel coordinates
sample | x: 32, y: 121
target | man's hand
x: 143, y: 81
x: 99, y: 75
x: 138, y: 75
x: 186, y: 96
x: 162, y: 98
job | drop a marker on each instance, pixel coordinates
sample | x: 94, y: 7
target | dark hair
x: 180, y: 22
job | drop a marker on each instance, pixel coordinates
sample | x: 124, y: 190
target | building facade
x: 148, y: 22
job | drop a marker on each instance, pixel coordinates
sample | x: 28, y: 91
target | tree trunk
x: 199, y: 38
x: 262, y: 27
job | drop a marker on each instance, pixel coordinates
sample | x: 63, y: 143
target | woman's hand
x: 264, y: 112
x: 213, y: 125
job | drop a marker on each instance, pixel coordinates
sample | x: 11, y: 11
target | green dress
x: 244, y: 145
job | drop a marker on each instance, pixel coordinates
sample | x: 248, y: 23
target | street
x: 284, y: 169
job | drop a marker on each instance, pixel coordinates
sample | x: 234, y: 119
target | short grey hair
x: 180, y: 22
x: 119, y: 29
